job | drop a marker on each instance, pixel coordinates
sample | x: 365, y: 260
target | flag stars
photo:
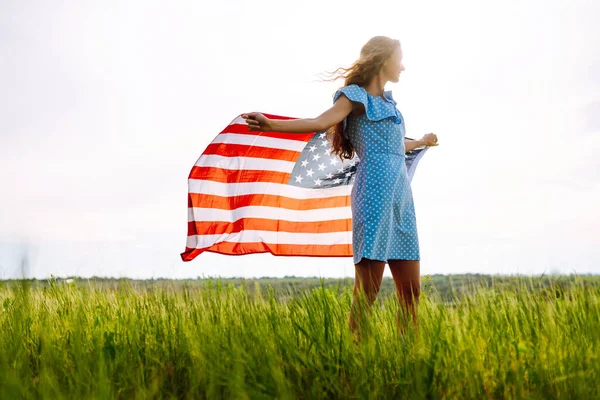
x: 320, y: 165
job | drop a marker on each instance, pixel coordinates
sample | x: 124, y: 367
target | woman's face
x: 393, y: 66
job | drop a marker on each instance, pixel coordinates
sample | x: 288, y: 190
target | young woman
x: 364, y: 119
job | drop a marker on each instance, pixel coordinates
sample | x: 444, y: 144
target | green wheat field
x: 513, y: 338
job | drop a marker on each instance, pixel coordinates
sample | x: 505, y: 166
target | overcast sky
x: 106, y: 105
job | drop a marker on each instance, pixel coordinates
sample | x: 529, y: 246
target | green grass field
x: 216, y: 340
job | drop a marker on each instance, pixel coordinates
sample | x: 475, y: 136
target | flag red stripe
x: 231, y: 248
x: 269, y: 200
x: 237, y: 176
x: 243, y: 129
x: 264, y: 224
x: 233, y: 150
x: 280, y: 117
x: 191, y: 227
x: 190, y: 254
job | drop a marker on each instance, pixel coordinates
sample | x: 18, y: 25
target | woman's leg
x: 407, y: 278
x: 367, y: 281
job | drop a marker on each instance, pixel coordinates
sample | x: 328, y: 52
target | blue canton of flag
x: 316, y: 168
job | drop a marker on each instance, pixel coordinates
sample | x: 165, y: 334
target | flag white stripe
x: 202, y: 186
x: 239, y: 163
x: 238, y: 120
x: 273, y: 213
x: 249, y: 236
x: 260, y: 141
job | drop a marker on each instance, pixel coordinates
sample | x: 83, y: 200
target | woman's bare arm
x: 410, y: 145
x: 340, y: 110
x: 429, y: 139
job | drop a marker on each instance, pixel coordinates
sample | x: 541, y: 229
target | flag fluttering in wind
x: 276, y: 192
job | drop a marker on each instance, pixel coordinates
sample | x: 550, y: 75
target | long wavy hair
x: 372, y: 57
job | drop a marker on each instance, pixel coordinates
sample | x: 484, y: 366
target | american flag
x: 276, y: 192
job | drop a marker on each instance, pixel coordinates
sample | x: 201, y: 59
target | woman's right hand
x: 430, y: 139
x: 258, y: 122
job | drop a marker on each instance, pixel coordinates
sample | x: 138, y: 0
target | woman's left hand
x: 430, y: 139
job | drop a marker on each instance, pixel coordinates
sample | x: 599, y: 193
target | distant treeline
x: 446, y: 287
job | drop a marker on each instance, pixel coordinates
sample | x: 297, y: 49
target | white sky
x: 106, y: 105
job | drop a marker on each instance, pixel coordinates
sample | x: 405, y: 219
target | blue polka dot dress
x: 383, y: 214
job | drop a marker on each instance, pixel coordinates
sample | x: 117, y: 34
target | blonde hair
x: 372, y: 57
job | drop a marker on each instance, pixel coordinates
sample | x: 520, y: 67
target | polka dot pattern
x: 383, y: 213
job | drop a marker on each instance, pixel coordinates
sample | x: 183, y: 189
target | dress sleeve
x: 376, y: 108
x: 354, y: 93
